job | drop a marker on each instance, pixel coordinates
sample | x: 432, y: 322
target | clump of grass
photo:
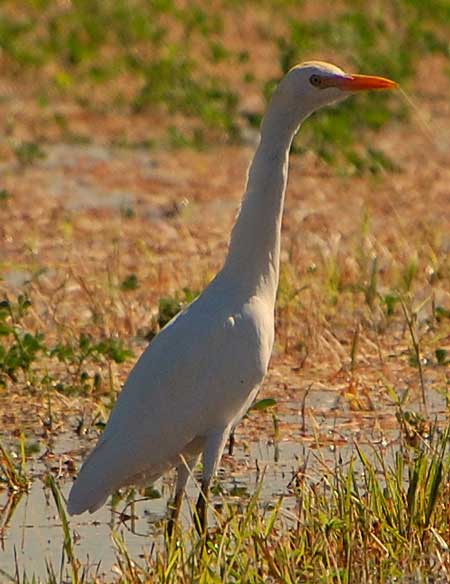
x: 18, y: 347
x: 79, y: 356
x: 68, y: 545
x: 179, y: 91
x: 130, y: 283
x: 170, y: 306
x: 357, y: 523
x: 411, y: 318
x: 14, y: 468
x: 28, y: 152
x: 26, y: 357
x: 366, y: 520
x: 5, y: 196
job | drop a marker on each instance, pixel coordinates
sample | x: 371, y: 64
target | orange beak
x: 362, y: 83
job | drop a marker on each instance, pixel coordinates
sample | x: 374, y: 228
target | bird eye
x: 315, y: 80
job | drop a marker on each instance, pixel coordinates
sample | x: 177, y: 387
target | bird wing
x: 193, y: 378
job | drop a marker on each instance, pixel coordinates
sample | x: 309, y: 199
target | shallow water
x: 32, y: 534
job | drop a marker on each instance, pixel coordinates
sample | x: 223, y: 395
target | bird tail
x: 79, y: 502
x: 91, y: 489
x: 103, y: 473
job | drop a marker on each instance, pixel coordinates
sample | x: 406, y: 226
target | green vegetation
x: 25, y: 357
x: 363, y: 520
x: 167, y: 57
x: 18, y: 349
x: 28, y: 152
x: 14, y: 474
x: 363, y: 309
x: 170, y: 306
x: 366, y: 39
x: 88, y: 45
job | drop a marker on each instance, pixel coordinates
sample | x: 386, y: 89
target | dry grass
x: 364, y: 299
x: 76, y: 249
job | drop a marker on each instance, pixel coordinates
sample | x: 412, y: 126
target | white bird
x: 199, y: 376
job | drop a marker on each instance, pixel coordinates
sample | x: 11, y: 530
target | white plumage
x: 201, y: 373
x: 168, y: 405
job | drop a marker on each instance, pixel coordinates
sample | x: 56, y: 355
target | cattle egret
x: 199, y: 376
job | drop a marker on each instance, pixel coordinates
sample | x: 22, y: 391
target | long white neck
x: 253, y: 259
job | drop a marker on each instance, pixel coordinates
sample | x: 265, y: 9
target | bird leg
x: 212, y: 453
x: 174, y: 513
x: 201, y: 511
x: 184, y: 470
x: 231, y: 443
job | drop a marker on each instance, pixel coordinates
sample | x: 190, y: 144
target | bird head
x: 314, y: 84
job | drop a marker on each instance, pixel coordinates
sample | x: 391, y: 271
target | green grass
x: 365, y: 36
x: 383, y: 515
x: 161, y: 57
x: 26, y: 358
x: 93, y: 44
x: 366, y: 520
x: 13, y: 468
